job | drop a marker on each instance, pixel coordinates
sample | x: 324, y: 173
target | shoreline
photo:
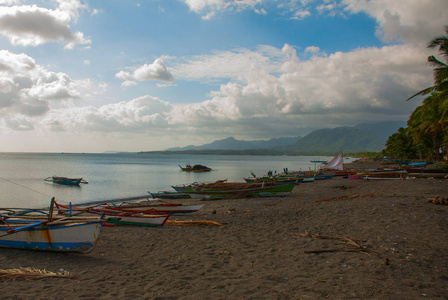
x: 295, y: 247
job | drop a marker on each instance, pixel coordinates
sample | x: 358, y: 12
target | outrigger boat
x: 158, y: 207
x: 276, y: 179
x: 222, y: 189
x: 195, y: 168
x: 118, y: 216
x: 169, y: 195
x: 65, y: 180
x: 39, y: 230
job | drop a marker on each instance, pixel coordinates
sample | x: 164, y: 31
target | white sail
x: 336, y: 163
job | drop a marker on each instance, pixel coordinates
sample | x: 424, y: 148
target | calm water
x: 113, y: 176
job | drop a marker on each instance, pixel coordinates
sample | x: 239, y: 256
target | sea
x: 114, y: 176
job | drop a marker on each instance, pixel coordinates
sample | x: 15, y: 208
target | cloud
x: 369, y: 85
x: 137, y: 115
x: 209, y: 8
x: 409, y: 21
x: 263, y: 92
x: 237, y: 64
x: 28, y: 89
x: 33, y: 26
x: 155, y: 71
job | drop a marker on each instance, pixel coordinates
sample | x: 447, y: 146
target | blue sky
x: 94, y: 76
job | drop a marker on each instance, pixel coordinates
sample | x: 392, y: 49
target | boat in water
x: 65, y: 180
x: 195, y: 168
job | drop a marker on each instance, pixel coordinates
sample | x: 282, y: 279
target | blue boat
x: 37, y: 230
x: 66, y: 180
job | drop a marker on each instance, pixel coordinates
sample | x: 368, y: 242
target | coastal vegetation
x: 425, y: 136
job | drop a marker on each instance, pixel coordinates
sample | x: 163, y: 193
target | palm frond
x: 32, y: 273
x: 423, y: 92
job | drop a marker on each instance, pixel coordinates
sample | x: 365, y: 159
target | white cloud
x: 301, y: 14
x: 237, y: 64
x: 411, y: 21
x: 33, y: 26
x: 209, y: 8
x: 155, y: 71
x: 138, y: 115
x: 341, y: 89
x: 29, y: 89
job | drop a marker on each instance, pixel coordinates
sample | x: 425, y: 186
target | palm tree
x: 428, y: 126
x: 401, y: 144
x: 440, y: 87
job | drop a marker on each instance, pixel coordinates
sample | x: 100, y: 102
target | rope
x: 25, y: 187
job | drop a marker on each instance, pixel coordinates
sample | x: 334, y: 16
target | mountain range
x: 364, y: 137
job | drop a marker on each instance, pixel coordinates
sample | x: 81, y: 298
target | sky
x: 96, y: 76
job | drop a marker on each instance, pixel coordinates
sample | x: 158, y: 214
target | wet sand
x: 331, y: 239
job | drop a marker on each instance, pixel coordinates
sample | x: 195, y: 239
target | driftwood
x: 346, y: 197
x: 352, y: 244
x: 32, y: 273
x: 438, y: 200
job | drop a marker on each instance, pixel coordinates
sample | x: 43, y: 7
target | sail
x: 335, y: 163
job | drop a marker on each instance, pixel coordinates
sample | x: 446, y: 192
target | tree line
x: 425, y: 136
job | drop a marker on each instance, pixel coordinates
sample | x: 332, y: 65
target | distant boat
x: 65, y: 180
x: 195, y: 168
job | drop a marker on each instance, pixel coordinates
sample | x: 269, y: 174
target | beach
x: 331, y: 239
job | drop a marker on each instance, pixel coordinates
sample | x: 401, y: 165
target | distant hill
x: 233, y: 144
x: 327, y: 141
x: 364, y: 137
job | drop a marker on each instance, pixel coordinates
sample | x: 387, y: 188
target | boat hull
x: 169, y: 195
x: 297, y: 180
x: 116, y: 216
x: 72, y: 237
x: 138, y: 220
x: 273, y: 191
x: 167, y: 208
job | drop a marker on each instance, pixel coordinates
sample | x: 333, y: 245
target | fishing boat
x: 66, y: 180
x: 240, y: 190
x: 195, y: 168
x: 118, y: 216
x: 24, y: 229
x: 427, y: 172
x: 309, y: 178
x: 150, y: 206
x: 278, y: 180
x: 169, y: 195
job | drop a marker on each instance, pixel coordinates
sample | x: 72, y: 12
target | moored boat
x: 195, y: 168
x: 65, y: 180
